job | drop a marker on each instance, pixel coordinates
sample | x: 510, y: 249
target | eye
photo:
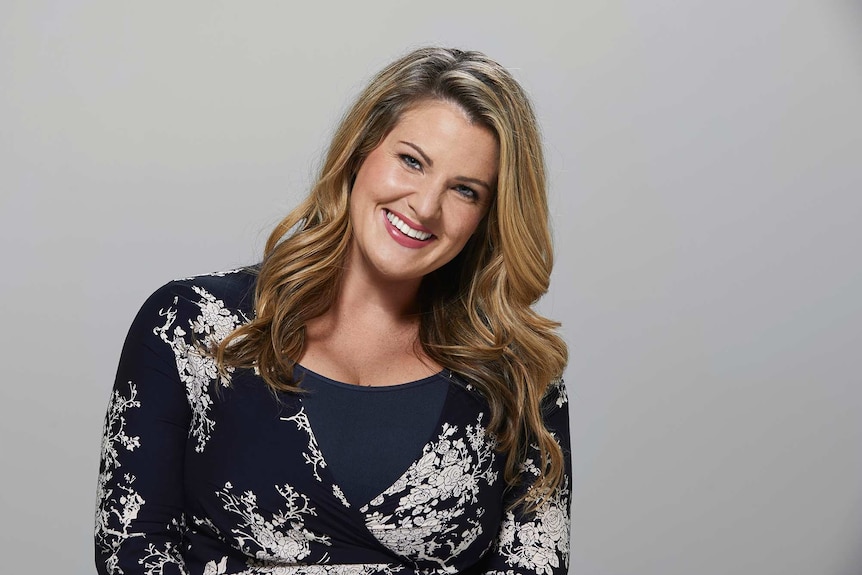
x: 467, y: 192
x: 410, y: 161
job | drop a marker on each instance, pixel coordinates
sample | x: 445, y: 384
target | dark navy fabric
x: 370, y: 435
x: 212, y: 473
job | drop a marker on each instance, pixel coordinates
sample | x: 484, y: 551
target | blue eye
x: 467, y: 192
x: 411, y: 162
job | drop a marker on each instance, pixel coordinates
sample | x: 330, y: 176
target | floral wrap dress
x: 201, y: 475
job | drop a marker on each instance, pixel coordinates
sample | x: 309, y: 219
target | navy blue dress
x: 205, y: 475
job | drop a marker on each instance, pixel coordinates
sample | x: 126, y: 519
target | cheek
x: 468, y: 225
x: 375, y: 175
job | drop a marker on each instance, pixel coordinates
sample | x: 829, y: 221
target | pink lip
x: 402, y: 239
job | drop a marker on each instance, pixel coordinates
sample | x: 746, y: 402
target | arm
x: 537, y: 543
x: 139, y: 514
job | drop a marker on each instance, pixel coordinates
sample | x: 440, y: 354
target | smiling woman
x: 411, y: 207
x: 377, y: 395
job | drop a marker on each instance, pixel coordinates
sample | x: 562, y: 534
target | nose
x: 426, y: 201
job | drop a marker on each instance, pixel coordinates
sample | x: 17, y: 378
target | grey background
x: 705, y: 183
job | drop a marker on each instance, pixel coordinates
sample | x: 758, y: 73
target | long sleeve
x: 205, y: 472
x: 139, y: 515
x: 537, y: 543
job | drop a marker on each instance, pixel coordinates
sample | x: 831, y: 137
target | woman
x: 377, y: 396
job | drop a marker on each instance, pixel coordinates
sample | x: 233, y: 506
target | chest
x: 260, y: 484
x: 364, y: 355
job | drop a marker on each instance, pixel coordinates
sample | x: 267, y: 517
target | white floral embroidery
x: 213, y: 568
x: 558, y: 388
x: 216, y: 322
x: 219, y: 274
x: 156, y: 559
x: 529, y: 466
x: 312, y: 455
x: 261, y: 568
x: 539, y: 541
x: 197, y: 370
x: 281, y: 538
x: 339, y: 494
x: 208, y: 523
x: 116, y: 511
x: 435, y: 494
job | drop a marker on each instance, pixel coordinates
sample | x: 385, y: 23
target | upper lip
x: 411, y: 223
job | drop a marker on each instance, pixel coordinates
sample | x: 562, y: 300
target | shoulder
x: 204, y: 307
x: 232, y: 290
x: 467, y: 391
x: 555, y: 396
x: 235, y: 288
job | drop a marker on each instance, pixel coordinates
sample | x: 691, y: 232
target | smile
x: 399, y: 224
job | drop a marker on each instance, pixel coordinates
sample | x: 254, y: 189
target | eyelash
x: 414, y: 164
x: 467, y: 192
x: 410, y: 161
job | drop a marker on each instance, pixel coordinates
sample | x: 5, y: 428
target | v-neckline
x: 327, y: 476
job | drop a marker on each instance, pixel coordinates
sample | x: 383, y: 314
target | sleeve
x: 139, y: 513
x: 537, y: 542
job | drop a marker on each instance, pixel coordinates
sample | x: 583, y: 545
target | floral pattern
x: 196, y: 368
x: 537, y: 543
x: 156, y: 559
x: 258, y: 568
x: 283, y: 536
x: 339, y: 494
x: 312, y: 454
x: 557, y: 391
x: 119, y: 502
x: 445, y: 514
x: 435, y: 495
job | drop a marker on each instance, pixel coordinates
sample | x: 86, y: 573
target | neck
x: 379, y: 300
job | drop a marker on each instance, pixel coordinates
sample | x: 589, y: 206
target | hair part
x: 477, y: 317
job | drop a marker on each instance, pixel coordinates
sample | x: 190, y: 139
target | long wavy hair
x: 476, y: 317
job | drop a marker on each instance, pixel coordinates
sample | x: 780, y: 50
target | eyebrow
x: 475, y: 181
x: 421, y: 152
x: 430, y: 163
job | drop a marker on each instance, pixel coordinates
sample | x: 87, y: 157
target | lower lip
x: 402, y: 239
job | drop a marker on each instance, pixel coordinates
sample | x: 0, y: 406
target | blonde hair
x: 477, y: 318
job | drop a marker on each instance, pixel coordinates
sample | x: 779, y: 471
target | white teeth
x: 405, y: 229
